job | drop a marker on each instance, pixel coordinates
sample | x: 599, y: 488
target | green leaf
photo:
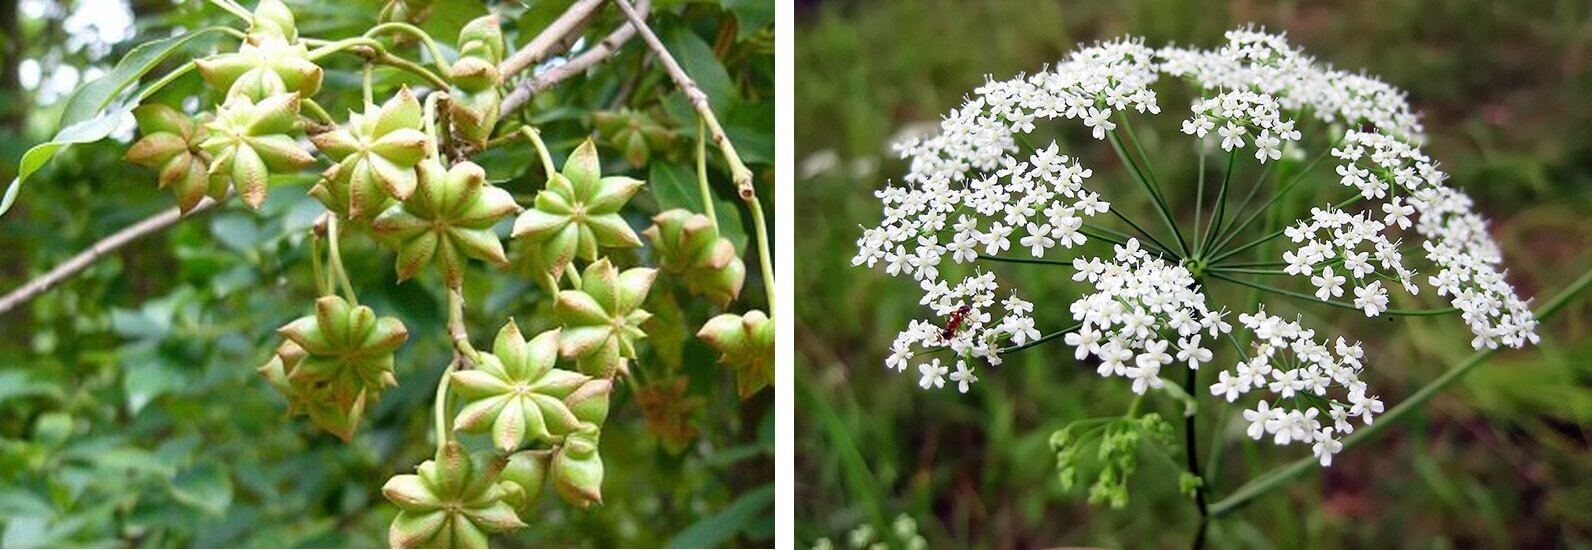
x: 752, y: 15
x: 717, y: 529
x: 675, y: 187
x: 696, y: 57
x: 86, y: 119
x: 237, y: 231
x: 16, y: 383
x: 205, y: 487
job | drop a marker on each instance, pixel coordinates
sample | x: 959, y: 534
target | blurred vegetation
x: 1501, y: 460
x: 130, y: 410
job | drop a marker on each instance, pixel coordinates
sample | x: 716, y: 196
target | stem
x: 1334, y: 303
x: 1284, y: 475
x: 1191, y: 452
x: 763, y: 251
x: 321, y: 284
x: 1040, y: 340
x: 440, y: 408
x: 411, y: 30
x: 1146, y: 234
x: 545, y: 43
x: 456, y: 328
x: 541, y: 149
x: 366, y: 82
x: 1038, y: 261
x: 317, y: 111
x: 1227, y: 232
x: 1199, y: 197
x: 111, y: 243
x: 1147, y: 182
x: 234, y: 9
x: 378, y: 54
x: 1221, y: 204
x: 1278, y: 233
x: 1278, y: 196
x: 739, y: 173
x: 574, y: 274
x: 702, y: 175
x: 575, y: 66
x: 333, y: 235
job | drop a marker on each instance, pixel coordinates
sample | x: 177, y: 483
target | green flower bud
x: 746, y: 344
x: 602, y: 320
x: 306, y: 396
x: 515, y: 393
x: 527, y: 472
x: 635, y: 133
x: 577, y: 470
x: 688, y: 245
x: 579, y: 212
x: 262, y: 70
x: 344, y: 357
x: 454, y: 501
x: 448, y: 219
x: 171, y: 145
x: 480, y: 50
x: 247, y: 141
x: 376, y: 154
x: 273, y: 20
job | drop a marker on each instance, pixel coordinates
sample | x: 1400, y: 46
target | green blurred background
x: 1501, y: 460
x: 130, y: 410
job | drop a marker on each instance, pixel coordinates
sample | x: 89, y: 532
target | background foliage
x: 1502, y: 460
x: 130, y: 412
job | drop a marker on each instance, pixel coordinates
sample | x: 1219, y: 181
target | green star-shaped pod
x: 171, y: 146
x: 689, y: 246
x: 348, y: 351
x: 453, y: 501
x: 515, y: 393
x: 260, y: 70
x: 375, y: 156
x: 746, y: 344
x: 247, y: 141
x: 448, y: 219
x: 602, y: 320
x: 577, y: 469
x: 310, y: 398
x: 578, y: 213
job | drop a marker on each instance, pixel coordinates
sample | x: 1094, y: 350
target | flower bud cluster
x: 475, y: 101
x: 746, y: 344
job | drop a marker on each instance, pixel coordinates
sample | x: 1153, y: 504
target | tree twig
x: 528, y: 88
x: 739, y: 173
x: 115, y: 241
x: 552, y: 40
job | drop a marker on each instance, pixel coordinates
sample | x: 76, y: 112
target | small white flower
x: 1372, y: 298
x: 933, y: 374
x: 1232, y: 136
x: 1327, y: 284
x: 963, y: 376
x: 1326, y: 446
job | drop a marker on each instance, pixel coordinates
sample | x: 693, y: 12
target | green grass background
x: 1500, y: 460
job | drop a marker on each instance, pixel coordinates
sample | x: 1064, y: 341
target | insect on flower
x: 955, y: 322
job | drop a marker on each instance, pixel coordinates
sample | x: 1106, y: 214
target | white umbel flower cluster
x: 977, y: 191
x: 1145, y: 314
x: 1301, y: 374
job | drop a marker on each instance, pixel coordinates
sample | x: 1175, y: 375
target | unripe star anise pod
x: 309, y: 398
x: 268, y: 63
x: 171, y: 145
x: 348, y: 352
x: 515, y: 393
x: 688, y: 245
x: 602, y: 320
x: 633, y: 132
x: 453, y: 501
x: 375, y: 154
x: 577, y: 469
x: 449, y: 218
x: 247, y: 141
x: 527, y: 472
x: 476, y: 101
x: 578, y: 213
x: 746, y: 343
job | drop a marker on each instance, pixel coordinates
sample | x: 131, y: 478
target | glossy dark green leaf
x: 696, y: 57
